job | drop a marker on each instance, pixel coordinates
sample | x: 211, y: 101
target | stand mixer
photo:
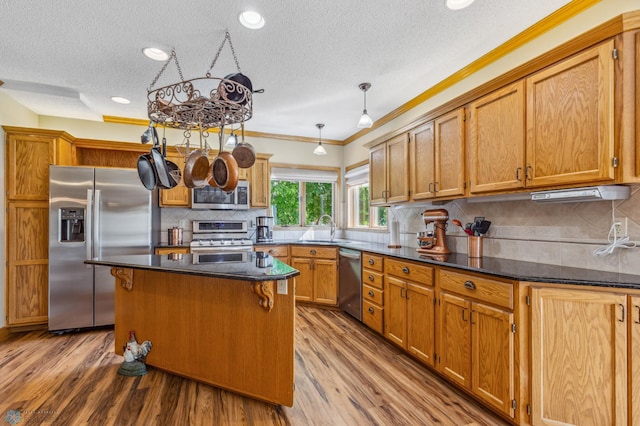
x: 434, y: 242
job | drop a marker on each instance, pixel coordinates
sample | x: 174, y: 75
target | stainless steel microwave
x: 210, y: 198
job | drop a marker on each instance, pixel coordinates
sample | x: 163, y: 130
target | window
x: 360, y: 214
x: 300, y: 196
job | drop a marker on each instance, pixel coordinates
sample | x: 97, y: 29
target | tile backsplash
x: 561, y: 234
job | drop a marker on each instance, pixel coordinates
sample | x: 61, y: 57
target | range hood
x: 574, y: 195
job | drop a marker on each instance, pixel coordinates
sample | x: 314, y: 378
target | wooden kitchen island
x: 226, y: 319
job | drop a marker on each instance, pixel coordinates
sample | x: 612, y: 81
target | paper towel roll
x: 394, y: 238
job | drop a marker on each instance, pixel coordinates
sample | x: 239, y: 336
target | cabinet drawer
x: 315, y: 252
x: 170, y: 250
x: 409, y: 271
x: 372, y: 294
x: 275, y: 251
x: 484, y: 289
x: 371, y: 261
x: 373, y: 279
x: 372, y: 316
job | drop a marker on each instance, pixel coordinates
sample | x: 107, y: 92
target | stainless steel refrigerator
x: 94, y: 212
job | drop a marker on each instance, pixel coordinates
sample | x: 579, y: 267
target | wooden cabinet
x: 496, y: 140
x: 172, y: 250
x: 259, y: 182
x: 373, y: 291
x: 570, y: 120
x: 476, y: 337
x: 318, y: 279
x: 29, y: 152
x: 180, y: 195
x: 634, y: 359
x: 280, y: 252
x: 409, y: 310
x: 423, y: 161
x: 388, y: 177
x: 579, y: 357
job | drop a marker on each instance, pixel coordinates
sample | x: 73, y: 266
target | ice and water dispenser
x: 71, y: 225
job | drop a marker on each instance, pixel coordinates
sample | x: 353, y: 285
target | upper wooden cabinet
x: 570, y: 116
x: 388, y: 177
x: 496, y: 140
x: 423, y: 161
x: 29, y: 152
x: 260, y: 182
x: 180, y: 195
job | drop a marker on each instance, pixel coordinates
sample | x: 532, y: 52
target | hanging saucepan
x: 146, y: 171
x: 175, y: 175
x: 224, y: 168
x: 244, y: 153
x: 234, y: 93
x: 196, y: 166
x: 163, y: 180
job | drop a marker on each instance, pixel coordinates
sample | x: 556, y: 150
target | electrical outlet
x: 621, y: 227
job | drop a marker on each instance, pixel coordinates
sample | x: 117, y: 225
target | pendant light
x: 365, y: 121
x: 320, y: 149
x: 232, y: 140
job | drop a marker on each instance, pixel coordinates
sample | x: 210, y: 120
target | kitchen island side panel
x: 212, y: 330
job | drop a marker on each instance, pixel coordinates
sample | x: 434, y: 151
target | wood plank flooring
x: 345, y: 375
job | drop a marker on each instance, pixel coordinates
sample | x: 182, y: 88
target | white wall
x: 11, y: 114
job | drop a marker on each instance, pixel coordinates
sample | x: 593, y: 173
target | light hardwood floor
x: 345, y: 375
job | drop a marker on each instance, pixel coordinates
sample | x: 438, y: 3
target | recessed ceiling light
x: 251, y: 19
x: 458, y: 4
x: 155, y: 54
x: 120, y: 100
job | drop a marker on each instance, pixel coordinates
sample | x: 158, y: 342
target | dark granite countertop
x: 238, y: 265
x: 504, y: 268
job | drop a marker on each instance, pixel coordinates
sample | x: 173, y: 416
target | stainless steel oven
x: 210, y: 236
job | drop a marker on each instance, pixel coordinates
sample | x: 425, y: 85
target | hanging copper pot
x: 244, y: 153
x: 224, y: 169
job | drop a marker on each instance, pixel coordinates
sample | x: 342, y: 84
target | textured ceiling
x: 68, y: 57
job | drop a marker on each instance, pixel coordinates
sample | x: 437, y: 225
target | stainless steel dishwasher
x: 350, y: 295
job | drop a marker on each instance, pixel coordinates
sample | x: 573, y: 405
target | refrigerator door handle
x: 96, y: 224
x: 89, y: 225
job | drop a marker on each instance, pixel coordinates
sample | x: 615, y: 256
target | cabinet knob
x: 312, y: 251
x: 405, y: 269
x: 470, y: 285
x: 371, y: 278
x: 271, y: 251
x: 371, y: 262
x: 370, y: 310
x: 371, y: 293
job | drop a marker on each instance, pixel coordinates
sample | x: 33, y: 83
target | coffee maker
x: 434, y: 241
x: 264, y: 229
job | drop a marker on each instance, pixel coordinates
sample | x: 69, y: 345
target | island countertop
x: 238, y: 265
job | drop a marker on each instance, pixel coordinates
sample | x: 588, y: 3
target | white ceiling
x: 68, y: 57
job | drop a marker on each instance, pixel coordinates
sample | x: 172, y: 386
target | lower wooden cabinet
x: 409, y: 310
x: 318, y: 279
x: 579, y: 357
x: 373, y: 291
x: 280, y: 252
x: 172, y: 250
x: 634, y: 360
x: 476, y: 339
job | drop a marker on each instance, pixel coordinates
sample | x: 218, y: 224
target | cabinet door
x: 570, y: 120
x: 450, y: 171
x: 325, y: 273
x: 27, y: 160
x: 303, y: 283
x: 454, y: 352
x: 378, y: 175
x: 179, y: 196
x: 496, y: 140
x: 395, y: 311
x: 27, y: 262
x: 492, y: 356
x: 635, y: 360
x: 422, y: 140
x: 420, y: 322
x: 579, y: 357
x: 398, y: 169
x: 259, y: 183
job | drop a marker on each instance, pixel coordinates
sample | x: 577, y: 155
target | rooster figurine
x: 134, y: 356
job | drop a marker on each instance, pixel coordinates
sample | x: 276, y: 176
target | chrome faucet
x: 333, y: 224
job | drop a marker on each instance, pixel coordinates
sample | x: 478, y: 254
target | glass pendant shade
x: 320, y: 149
x: 231, y: 141
x: 365, y: 121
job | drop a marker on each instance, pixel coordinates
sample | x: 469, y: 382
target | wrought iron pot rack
x: 202, y: 102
